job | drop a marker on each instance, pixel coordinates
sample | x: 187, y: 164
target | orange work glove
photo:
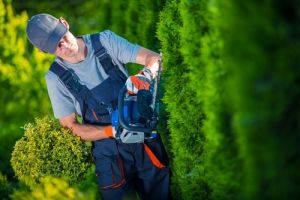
x: 140, y: 81
x: 110, y: 131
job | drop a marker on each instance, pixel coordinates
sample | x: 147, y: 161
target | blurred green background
x: 230, y: 112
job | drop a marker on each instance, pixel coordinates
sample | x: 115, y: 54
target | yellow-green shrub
x: 48, y: 149
x: 52, y: 188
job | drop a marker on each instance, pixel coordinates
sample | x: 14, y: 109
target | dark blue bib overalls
x: 119, y: 166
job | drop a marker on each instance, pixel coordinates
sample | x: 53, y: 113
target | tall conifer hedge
x: 167, y: 34
x: 185, y: 111
x: 222, y: 160
x: 242, y: 64
x: 262, y: 56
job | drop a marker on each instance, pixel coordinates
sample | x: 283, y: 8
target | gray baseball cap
x: 45, y: 31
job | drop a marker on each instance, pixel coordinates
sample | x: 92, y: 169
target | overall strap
x: 101, y: 53
x: 71, y: 81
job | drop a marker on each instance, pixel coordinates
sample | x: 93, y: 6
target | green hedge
x: 147, y: 23
x: 185, y: 112
x: 222, y: 161
x: 167, y: 33
x: 241, y: 64
x: 9, y: 134
x: 262, y: 48
x: 5, y: 187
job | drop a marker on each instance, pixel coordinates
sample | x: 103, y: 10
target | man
x: 85, y: 80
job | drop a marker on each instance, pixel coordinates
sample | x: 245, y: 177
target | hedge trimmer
x: 137, y: 115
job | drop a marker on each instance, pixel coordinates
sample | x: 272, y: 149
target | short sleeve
x: 62, y: 103
x: 119, y: 47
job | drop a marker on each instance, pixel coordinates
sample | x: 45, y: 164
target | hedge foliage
x: 48, y: 149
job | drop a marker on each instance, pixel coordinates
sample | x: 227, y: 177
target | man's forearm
x: 85, y: 131
x: 149, y: 59
x: 88, y: 132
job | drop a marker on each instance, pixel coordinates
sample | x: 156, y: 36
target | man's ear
x: 64, y: 22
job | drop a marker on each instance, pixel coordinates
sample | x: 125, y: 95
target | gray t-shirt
x: 89, y: 71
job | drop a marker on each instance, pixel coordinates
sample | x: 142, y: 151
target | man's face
x: 67, y: 46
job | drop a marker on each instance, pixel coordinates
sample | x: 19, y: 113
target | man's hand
x: 141, y: 81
